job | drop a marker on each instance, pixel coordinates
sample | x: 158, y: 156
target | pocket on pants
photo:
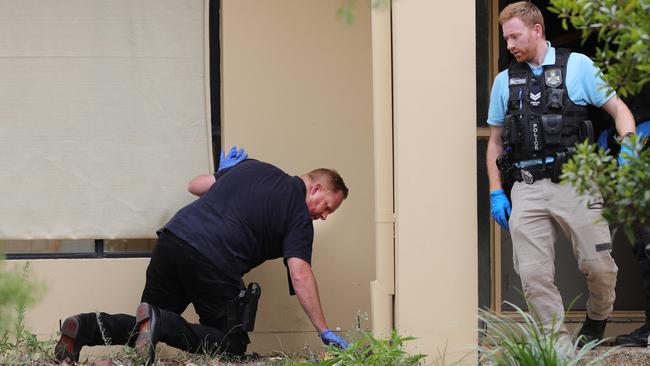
x: 601, y: 264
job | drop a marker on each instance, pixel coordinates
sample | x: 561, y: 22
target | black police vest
x: 541, y: 120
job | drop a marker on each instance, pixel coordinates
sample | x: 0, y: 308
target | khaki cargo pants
x: 534, y: 209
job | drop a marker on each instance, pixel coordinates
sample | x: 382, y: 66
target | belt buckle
x: 527, y: 176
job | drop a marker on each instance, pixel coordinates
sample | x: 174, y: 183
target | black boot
x: 592, y: 330
x: 86, y: 330
x: 638, y: 338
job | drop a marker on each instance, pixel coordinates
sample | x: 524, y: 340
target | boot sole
x: 143, y: 344
x: 64, y: 349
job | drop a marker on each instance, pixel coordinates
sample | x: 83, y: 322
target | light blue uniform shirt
x: 583, y: 81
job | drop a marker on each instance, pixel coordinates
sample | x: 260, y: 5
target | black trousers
x: 177, y: 275
x: 642, y: 253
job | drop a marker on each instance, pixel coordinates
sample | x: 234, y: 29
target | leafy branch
x: 623, y: 29
x: 625, y: 189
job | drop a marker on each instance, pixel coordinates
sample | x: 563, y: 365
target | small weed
x: 102, y: 331
x: 127, y: 356
x: 372, y: 351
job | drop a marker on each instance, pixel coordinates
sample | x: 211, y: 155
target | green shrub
x: 622, y: 28
x: 624, y: 189
x: 372, y: 351
x: 510, y: 342
x: 17, y: 345
x: 16, y: 290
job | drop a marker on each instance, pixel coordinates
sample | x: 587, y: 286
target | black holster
x: 560, y: 159
x: 241, y: 311
x: 507, y: 170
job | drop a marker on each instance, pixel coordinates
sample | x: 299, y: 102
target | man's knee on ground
x: 234, y: 345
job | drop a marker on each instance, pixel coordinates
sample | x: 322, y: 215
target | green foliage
x: 16, y: 290
x: 625, y: 189
x: 346, y: 12
x: 17, y: 345
x: 510, y: 342
x: 372, y: 351
x: 623, y: 27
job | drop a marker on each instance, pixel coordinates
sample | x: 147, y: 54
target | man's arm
x: 494, y: 150
x: 304, y: 283
x: 200, y: 184
x: 621, y: 115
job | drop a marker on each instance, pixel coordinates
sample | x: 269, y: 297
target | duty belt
x: 550, y: 167
x: 531, y: 174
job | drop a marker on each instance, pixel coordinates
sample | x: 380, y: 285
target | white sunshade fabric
x: 104, y: 115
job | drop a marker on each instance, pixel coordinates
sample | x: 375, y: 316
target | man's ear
x: 316, y: 187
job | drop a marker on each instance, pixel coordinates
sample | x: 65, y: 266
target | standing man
x: 245, y: 215
x: 537, y: 114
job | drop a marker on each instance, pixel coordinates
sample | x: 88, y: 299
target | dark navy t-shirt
x: 252, y: 213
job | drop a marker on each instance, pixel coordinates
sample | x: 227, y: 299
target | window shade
x: 103, y: 115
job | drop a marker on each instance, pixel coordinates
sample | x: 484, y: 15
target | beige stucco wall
x: 297, y: 92
x: 435, y: 167
x: 70, y: 286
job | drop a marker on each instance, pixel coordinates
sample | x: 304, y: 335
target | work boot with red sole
x: 68, y: 347
x: 146, y: 318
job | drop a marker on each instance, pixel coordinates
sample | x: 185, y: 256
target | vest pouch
x: 516, y: 98
x: 555, y: 98
x: 552, y: 126
x: 510, y: 135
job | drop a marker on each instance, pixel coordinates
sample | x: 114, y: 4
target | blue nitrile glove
x: 233, y: 158
x: 626, y: 152
x: 500, y: 208
x: 603, y: 139
x: 330, y: 338
x: 643, y: 129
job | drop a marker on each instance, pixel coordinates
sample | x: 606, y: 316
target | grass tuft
x: 509, y: 342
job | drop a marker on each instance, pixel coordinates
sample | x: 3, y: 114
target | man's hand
x: 626, y: 152
x: 331, y: 338
x: 233, y: 158
x: 500, y: 208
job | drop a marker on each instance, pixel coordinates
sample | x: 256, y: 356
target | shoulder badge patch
x: 517, y: 81
x: 553, y: 77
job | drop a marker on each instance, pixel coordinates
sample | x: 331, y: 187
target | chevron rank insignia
x: 553, y: 77
x: 535, y: 99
